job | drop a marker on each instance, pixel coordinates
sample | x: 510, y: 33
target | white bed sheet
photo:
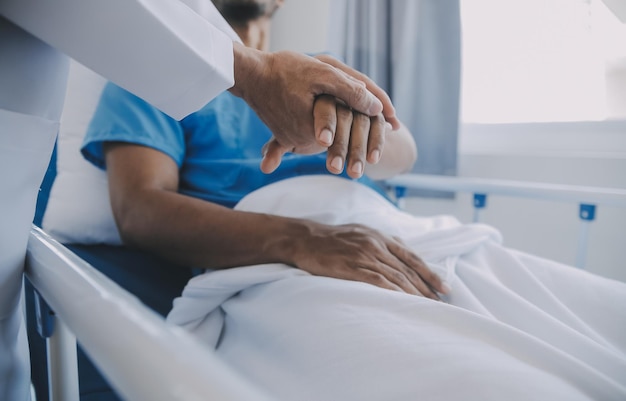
x: 515, y: 326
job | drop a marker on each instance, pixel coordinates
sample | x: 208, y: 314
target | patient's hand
x: 351, y: 137
x: 359, y: 253
x: 356, y: 139
x: 355, y: 142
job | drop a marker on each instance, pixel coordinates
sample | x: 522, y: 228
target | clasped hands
x: 313, y: 105
x: 349, y: 137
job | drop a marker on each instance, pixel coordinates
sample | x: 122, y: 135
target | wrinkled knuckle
x: 371, y: 244
x: 359, y: 228
x: 378, y: 122
x: 327, y: 120
x: 414, y: 258
x: 361, y: 118
x: 344, y: 113
x: 358, y: 145
x: 347, y: 228
x: 339, y: 144
x: 400, y: 249
x: 366, y: 248
x: 323, y: 57
x: 398, y: 277
x: 356, y: 153
x: 359, y: 94
x: 377, y: 279
x: 377, y: 119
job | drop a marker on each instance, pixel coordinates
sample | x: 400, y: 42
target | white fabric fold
x: 178, y: 60
x: 514, y: 327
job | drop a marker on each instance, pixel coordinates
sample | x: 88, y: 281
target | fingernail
x: 326, y: 137
x: 357, y: 168
x: 375, y: 156
x: 445, y: 288
x: 337, y: 163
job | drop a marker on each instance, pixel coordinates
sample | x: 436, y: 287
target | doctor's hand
x: 388, y: 112
x: 359, y: 253
x: 350, y: 137
x: 282, y: 87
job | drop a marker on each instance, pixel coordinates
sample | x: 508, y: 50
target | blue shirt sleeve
x: 217, y: 149
x: 123, y: 117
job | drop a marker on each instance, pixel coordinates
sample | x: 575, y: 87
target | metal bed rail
x: 588, y: 198
x: 142, y: 357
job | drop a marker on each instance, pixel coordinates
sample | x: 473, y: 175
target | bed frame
x: 165, y: 362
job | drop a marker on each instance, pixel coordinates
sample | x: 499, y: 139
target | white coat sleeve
x: 163, y: 51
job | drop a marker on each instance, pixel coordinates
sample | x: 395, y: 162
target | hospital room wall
x: 579, y: 154
x: 545, y: 228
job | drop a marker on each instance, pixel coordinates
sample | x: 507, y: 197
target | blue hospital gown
x: 217, y: 149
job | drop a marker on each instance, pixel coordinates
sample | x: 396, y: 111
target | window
x: 542, y: 61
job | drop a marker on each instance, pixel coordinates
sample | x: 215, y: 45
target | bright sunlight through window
x: 542, y: 61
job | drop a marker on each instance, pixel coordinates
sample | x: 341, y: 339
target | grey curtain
x: 412, y: 48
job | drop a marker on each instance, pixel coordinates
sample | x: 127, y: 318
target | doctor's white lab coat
x: 177, y: 55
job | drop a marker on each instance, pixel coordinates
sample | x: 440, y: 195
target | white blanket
x: 515, y: 326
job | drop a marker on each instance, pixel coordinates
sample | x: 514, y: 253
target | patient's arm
x: 398, y: 157
x: 152, y: 215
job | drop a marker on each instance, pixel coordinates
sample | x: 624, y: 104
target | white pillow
x: 78, y: 209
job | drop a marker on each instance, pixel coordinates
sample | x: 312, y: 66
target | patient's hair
x: 240, y: 12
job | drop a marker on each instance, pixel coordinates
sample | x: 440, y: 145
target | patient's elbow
x: 403, y: 150
x: 396, y: 160
x: 132, y: 224
x: 128, y: 229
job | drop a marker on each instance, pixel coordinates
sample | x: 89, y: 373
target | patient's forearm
x: 193, y: 232
x: 398, y: 156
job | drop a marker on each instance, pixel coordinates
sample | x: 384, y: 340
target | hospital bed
x: 84, y: 287
x: 144, y: 358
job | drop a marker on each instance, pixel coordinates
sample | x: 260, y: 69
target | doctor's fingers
x: 342, y: 83
x: 388, y: 110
